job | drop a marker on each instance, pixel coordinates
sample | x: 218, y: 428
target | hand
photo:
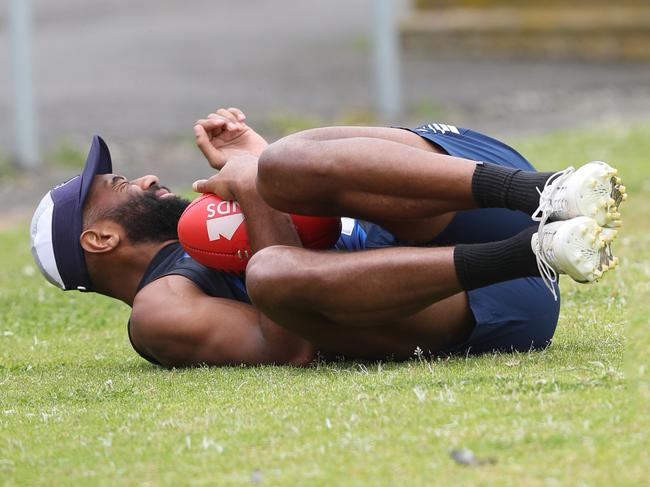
x: 224, y: 134
x: 236, y: 176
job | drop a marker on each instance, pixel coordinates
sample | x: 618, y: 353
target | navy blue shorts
x: 518, y: 315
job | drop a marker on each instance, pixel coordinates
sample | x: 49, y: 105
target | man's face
x: 147, y: 211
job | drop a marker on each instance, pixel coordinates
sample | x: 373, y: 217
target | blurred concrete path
x: 140, y: 72
x: 151, y: 67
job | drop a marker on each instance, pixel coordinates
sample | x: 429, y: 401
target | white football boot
x: 594, y: 190
x: 579, y: 248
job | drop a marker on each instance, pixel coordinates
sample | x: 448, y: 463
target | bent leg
x: 392, y: 287
x: 367, y: 177
x: 369, y: 304
x: 354, y: 288
x: 395, y: 178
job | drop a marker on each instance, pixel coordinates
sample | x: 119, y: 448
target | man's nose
x: 146, y: 182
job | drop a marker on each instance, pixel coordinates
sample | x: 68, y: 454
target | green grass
x: 67, y: 154
x: 285, y: 123
x: 429, y: 109
x: 7, y: 170
x: 78, y: 407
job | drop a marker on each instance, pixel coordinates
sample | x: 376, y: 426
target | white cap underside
x: 41, y: 241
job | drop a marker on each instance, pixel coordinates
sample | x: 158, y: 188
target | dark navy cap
x: 58, y: 221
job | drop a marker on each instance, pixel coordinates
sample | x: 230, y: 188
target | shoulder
x: 178, y: 325
x: 157, y: 311
x: 160, y: 298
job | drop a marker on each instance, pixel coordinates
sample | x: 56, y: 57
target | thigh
x: 443, y: 325
x: 513, y: 316
x: 401, y: 136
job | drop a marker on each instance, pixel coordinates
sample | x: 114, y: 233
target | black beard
x: 148, y: 218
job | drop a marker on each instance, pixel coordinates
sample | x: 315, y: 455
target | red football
x: 212, y: 231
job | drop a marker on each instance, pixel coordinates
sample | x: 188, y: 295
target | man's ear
x: 103, y: 236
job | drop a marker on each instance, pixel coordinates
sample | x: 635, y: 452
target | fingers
x: 201, y: 137
x: 200, y: 186
x: 233, y: 114
x: 238, y: 113
x: 227, y: 115
x: 213, y: 185
x: 214, y: 125
x: 220, y: 124
x: 234, y: 118
x: 231, y: 118
x: 205, y: 146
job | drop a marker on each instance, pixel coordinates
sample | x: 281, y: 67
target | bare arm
x: 179, y: 325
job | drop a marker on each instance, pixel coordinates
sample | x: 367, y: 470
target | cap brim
x: 97, y: 162
x: 67, y: 217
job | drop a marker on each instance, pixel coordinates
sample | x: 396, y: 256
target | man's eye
x: 118, y: 181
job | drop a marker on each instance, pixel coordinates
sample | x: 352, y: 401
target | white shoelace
x: 542, y: 213
x: 546, y: 203
x: 546, y: 271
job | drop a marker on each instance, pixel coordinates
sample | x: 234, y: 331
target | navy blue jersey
x: 172, y: 260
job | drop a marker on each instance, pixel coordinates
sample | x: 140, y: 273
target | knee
x: 286, y: 157
x: 272, y: 278
x: 272, y: 166
x: 272, y: 174
x: 289, y: 171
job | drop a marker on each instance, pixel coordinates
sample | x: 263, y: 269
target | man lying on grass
x: 452, y: 261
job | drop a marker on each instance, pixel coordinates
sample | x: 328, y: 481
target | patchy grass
x: 67, y: 154
x: 284, y: 123
x: 429, y: 109
x: 7, y: 169
x: 78, y: 407
x: 358, y: 116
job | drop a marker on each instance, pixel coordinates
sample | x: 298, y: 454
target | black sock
x: 479, y: 265
x: 495, y: 186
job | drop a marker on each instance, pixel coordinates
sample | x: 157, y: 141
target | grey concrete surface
x: 146, y: 68
x: 140, y: 72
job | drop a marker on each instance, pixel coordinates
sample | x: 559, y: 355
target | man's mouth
x: 163, y: 192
